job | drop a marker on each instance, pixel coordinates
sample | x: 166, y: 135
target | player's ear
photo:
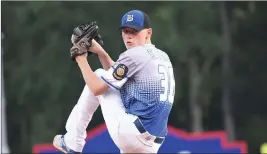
x: 149, y: 33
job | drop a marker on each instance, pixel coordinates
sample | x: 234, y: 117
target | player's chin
x: 128, y: 46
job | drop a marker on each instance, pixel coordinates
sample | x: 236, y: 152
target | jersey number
x: 167, y: 83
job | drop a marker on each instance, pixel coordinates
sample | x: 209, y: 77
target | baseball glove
x: 82, y: 39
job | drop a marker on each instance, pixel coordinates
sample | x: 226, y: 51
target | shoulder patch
x: 120, y: 72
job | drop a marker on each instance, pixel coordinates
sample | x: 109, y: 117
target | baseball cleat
x: 60, y: 144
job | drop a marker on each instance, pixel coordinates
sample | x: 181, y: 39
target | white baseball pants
x: 119, y: 124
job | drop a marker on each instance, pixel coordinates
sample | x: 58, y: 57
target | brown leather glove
x: 82, y: 39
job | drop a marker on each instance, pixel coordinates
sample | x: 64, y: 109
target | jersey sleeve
x: 124, y: 68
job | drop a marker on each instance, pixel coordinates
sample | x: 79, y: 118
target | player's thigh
x: 112, y: 110
x: 111, y: 106
x: 110, y: 101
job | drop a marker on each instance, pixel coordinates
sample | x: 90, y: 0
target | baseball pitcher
x: 135, y: 93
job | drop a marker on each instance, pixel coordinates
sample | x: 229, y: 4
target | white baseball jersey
x: 144, y: 77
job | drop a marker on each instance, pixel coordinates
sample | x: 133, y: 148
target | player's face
x: 133, y: 38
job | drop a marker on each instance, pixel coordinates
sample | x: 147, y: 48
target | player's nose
x: 129, y: 36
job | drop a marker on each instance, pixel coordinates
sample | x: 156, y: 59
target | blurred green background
x: 218, y: 49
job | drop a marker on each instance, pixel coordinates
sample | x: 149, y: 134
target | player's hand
x: 96, y: 48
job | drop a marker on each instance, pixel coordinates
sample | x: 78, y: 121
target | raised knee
x: 99, y: 72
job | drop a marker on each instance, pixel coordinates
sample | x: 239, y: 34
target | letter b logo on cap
x: 129, y: 17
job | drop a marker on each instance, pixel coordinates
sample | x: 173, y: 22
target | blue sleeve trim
x: 109, y: 83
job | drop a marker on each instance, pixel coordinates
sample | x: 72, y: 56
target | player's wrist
x: 80, y: 58
x: 96, y: 48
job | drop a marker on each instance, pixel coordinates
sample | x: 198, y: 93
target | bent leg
x: 111, y: 106
x: 121, y: 125
x: 80, y: 117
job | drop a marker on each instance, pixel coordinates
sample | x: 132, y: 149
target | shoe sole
x: 59, y: 148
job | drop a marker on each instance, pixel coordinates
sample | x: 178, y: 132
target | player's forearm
x: 105, y: 60
x: 96, y: 85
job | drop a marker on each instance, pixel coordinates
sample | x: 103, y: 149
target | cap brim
x: 133, y: 27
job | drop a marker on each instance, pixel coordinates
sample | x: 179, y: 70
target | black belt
x: 142, y: 130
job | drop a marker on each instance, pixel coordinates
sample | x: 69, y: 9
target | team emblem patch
x: 129, y: 18
x: 120, y: 72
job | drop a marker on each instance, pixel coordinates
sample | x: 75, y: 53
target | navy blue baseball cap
x: 135, y: 19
